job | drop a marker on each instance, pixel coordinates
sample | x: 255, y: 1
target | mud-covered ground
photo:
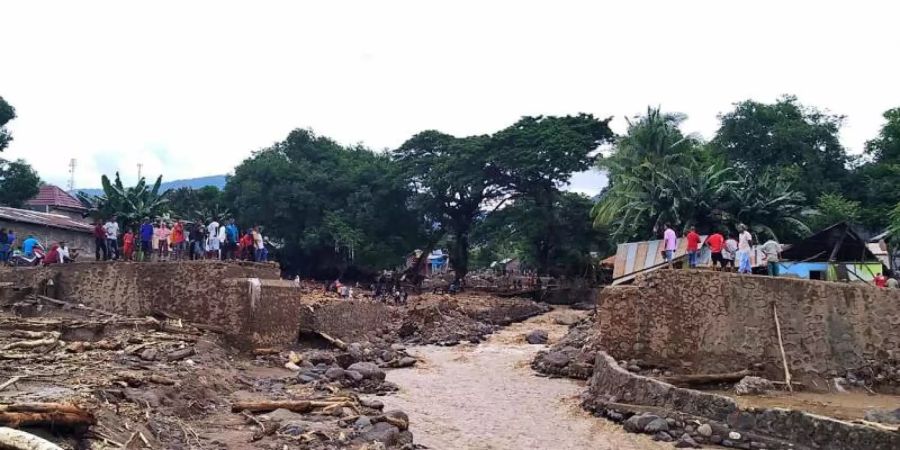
x: 148, y: 382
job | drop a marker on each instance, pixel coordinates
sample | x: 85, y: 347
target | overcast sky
x: 190, y: 88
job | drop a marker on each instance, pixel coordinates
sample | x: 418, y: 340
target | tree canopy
x: 7, y: 113
x: 18, y: 183
x: 329, y: 207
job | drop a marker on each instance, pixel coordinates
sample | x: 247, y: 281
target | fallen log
x: 47, y: 340
x: 20, y: 440
x: 297, y: 406
x: 265, y: 351
x: 45, y: 415
x: 334, y: 341
x: 705, y: 378
x: 180, y: 354
x: 75, y: 306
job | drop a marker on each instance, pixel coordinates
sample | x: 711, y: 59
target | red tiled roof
x: 45, y: 219
x: 51, y: 195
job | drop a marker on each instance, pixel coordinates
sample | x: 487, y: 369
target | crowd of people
x: 165, y: 240
x: 729, y: 251
x: 733, y: 250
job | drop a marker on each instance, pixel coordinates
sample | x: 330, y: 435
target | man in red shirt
x: 880, y: 281
x: 693, y: 247
x: 100, y: 241
x: 715, y: 242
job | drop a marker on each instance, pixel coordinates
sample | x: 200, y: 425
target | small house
x: 836, y: 253
x: 51, y: 199
x: 48, y: 228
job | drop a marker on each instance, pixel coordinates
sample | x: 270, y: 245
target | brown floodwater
x: 486, y: 397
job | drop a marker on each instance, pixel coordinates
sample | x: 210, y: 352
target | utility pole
x: 72, y: 163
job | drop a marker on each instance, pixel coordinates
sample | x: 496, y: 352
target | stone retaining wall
x: 614, y: 392
x: 702, y: 321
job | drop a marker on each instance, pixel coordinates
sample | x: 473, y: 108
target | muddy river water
x: 486, y: 397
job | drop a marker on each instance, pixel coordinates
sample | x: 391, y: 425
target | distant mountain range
x: 193, y: 183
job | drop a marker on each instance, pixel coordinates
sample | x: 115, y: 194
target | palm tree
x: 656, y: 177
x: 768, y: 204
x: 130, y: 204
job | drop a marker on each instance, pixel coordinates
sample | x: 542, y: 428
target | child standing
x: 128, y: 245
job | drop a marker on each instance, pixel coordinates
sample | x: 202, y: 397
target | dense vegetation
x: 328, y: 208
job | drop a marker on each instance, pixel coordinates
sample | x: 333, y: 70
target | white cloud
x: 191, y: 88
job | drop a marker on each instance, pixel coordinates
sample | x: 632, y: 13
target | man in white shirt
x: 111, y: 227
x: 744, y: 247
x: 63, y: 250
x: 212, y: 240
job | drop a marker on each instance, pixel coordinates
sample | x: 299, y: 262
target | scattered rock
x: 753, y: 386
x: 294, y: 428
x: 371, y: 403
x: 406, y: 362
x: 638, y: 423
x: 382, y: 432
x: 397, y: 418
x: 362, y: 423
x: 734, y: 436
x: 704, y: 430
x: 566, y: 319
x: 557, y: 359
x: 884, y: 416
x: 656, y: 426
x: 537, y: 337
x: 686, y: 441
x: 353, y: 375
x: 368, y: 370
x: 283, y: 415
x: 662, y: 436
x: 335, y: 373
x: 398, y: 347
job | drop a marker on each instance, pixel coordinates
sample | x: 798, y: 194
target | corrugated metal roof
x: 51, y: 195
x: 45, y: 219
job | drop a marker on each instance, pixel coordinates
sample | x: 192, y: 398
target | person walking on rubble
x: 745, y: 241
x: 671, y: 243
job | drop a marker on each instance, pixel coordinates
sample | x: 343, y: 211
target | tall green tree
x: 7, y: 113
x: 331, y: 209
x: 18, y: 183
x: 799, y: 142
x: 453, y: 181
x: 831, y: 209
x: 535, y: 156
x: 875, y: 181
x: 203, y: 204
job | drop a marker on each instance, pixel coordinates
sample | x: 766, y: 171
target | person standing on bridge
x: 693, y: 247
x: 745, y: 241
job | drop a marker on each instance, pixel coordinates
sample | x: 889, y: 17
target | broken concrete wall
x: 614, y: 392
x: 702, y: 321
x: 348, y: 320
x: 205, y: 292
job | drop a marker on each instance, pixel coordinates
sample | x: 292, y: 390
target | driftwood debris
x: 705, y: 378
x: 66, y: 304
x: 45, y: 415
x: 265, y: 351
x: 334, y: 341
x: 180, y: 354
x: 297, y: 406
x: 21, y: 440
x: 11, y: 382
x: 326, y: 405
x: 45, y: 338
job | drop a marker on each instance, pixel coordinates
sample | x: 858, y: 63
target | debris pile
x: 102, y: 380
x: 451, y: 319
x: 573, y: 355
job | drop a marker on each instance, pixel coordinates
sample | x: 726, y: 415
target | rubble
x: 753, y: 386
